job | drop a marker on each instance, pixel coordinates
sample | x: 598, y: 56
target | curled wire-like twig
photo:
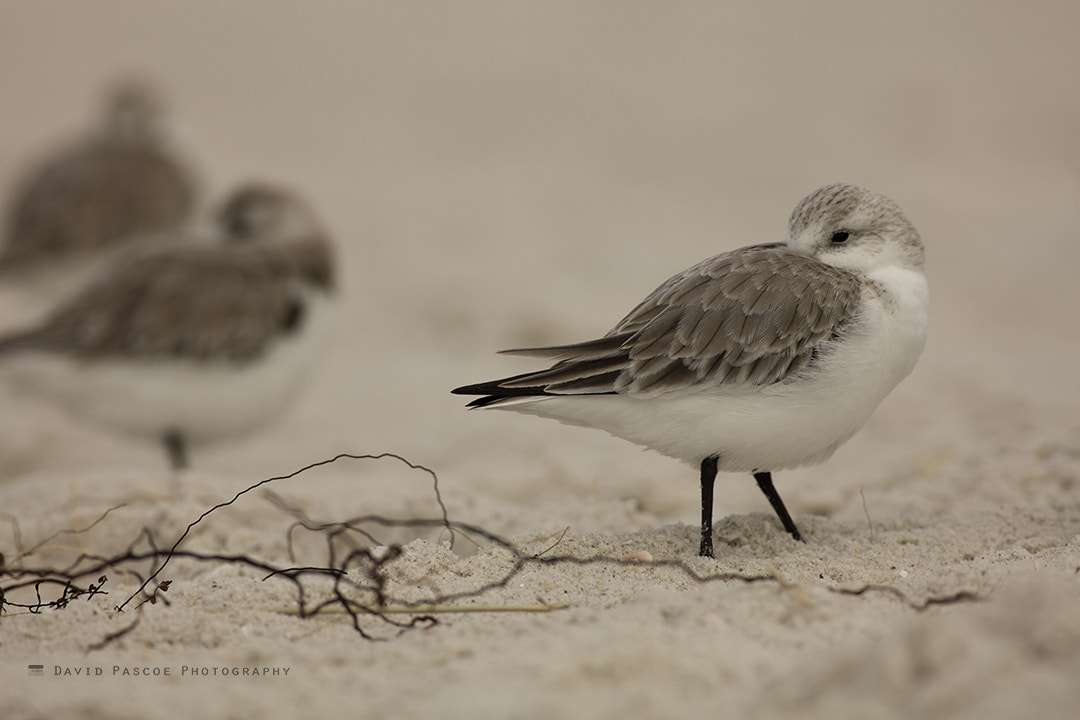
x: 329, y: 461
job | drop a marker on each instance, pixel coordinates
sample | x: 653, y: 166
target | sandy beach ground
x: 508, y: 174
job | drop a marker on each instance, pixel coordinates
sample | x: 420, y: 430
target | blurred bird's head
x: 133, y: 110
x: 268, y: 214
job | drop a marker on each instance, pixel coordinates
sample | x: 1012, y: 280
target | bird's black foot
x: 708, y: 479
x: 176, y: 448
x: 764, y: 481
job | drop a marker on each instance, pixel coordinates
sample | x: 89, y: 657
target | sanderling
x: 119, y: 184
x: 191, y: 341
x: 764, y: 358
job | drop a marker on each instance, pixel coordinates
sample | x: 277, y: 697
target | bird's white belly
x: 747, y: 431
x: 203, y: 400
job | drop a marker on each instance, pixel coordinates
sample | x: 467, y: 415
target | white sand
x: 507, y: 174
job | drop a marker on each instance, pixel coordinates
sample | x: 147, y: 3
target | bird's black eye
x: 840, y: 237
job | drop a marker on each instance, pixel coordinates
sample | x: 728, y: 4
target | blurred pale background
x: 504, y: 173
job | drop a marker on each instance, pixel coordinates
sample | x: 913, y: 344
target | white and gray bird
x: 119, y: 184
x: 765, y: 358
x: 191, y: 341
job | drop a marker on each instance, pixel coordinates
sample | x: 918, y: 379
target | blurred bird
x: 191, y: 341
x: 117, y: 185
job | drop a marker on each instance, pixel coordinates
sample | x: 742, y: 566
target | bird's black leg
x: 177, y: 449
x: 708, y: 479
x: 764, y: 481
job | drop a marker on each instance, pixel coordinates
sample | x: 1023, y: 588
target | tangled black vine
x: 356, y: 568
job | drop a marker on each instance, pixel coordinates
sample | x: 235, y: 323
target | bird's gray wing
x: 180, y: 302
x: 752, y: 317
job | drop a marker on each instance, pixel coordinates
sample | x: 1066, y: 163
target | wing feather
x: 750, y: 317
x: 181, y: 302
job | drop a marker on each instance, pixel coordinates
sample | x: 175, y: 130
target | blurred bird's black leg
x: 177, y: 450
x: 764, y: 481
x: 708, y: 479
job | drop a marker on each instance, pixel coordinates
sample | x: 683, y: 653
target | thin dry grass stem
x: 462, y: 533
x: 16, y: 533
x: 46, y: 543
x: 867, y: 512
x: 555, y: 544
